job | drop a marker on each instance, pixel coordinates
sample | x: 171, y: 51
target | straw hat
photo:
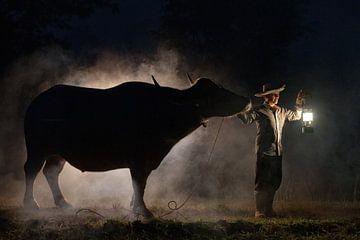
x: 268, y: 88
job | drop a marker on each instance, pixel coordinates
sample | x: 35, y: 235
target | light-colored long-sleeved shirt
x: 269, y: 123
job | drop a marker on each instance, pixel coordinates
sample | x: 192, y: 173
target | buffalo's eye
x: 220, y: 86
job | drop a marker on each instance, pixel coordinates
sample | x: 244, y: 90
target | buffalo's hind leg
x: 53, y: 166
x: 139, y: 181
x: 32, y: 167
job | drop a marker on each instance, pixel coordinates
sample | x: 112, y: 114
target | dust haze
x: 187, y: 163
x: 228, y: 174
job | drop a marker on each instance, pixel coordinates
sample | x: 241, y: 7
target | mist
x: 318, y: 166
x: 188, y: 164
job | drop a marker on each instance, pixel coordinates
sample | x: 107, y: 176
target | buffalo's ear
x: 190, y: 79
x: 155, y: 82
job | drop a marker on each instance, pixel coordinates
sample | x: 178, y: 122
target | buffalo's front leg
x: 139, y: 178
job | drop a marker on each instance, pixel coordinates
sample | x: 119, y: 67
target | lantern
x: 307, y: 118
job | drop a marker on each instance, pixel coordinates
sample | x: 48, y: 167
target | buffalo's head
x: 214, y: 100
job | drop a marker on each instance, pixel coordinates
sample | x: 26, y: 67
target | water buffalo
x: 133, y: 125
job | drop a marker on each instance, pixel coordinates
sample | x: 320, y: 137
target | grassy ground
x: 311, y: 220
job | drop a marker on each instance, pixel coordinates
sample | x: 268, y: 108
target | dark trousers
x: 268, y: 173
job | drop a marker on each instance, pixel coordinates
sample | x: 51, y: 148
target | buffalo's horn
x: 190, y: 79
x: 155, y: 82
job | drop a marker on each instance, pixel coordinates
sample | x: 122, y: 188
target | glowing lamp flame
x: 307, y: 117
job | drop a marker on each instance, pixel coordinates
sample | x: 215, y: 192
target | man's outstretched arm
x: 248, y: 116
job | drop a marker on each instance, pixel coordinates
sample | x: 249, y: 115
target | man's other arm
x: 294, y: 115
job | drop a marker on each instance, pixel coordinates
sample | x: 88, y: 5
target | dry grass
x: 205, y: 220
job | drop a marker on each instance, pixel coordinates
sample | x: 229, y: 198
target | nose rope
x: 173, y: 205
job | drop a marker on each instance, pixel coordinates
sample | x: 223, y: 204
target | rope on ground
x: 89, y: 210
x: 173, y: 205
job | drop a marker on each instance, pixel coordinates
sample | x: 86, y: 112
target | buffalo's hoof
x: 63, y: 204
x: 144, y: 212
x: 31, y: 204
x: 148, y: 215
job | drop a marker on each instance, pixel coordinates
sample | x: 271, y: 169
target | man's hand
x: 248, y: 106
x: 300, y: 99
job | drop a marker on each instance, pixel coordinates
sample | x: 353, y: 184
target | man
x: 270, y: 119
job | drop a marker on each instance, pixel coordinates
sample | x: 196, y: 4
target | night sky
x: 333, y: 39
x: 130, y: 28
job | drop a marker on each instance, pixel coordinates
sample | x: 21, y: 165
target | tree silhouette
x: 28, y: 25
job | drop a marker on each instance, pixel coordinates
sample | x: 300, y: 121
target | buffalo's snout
x: 229, y: 103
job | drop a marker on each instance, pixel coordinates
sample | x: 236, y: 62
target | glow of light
x: 307, y: 116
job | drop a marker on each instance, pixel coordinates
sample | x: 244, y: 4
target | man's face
x: 272, y: 98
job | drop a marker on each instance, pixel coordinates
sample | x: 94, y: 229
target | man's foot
x: 259, y: 214
x: 269, y: 214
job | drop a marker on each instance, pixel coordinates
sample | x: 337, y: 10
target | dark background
x: 313, y: 45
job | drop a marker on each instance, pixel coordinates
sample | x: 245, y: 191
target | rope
x: 102, y: 216
x: 89, y: 210
x: 173, y: 205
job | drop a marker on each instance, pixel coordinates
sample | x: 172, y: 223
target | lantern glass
x: 308, y: 116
